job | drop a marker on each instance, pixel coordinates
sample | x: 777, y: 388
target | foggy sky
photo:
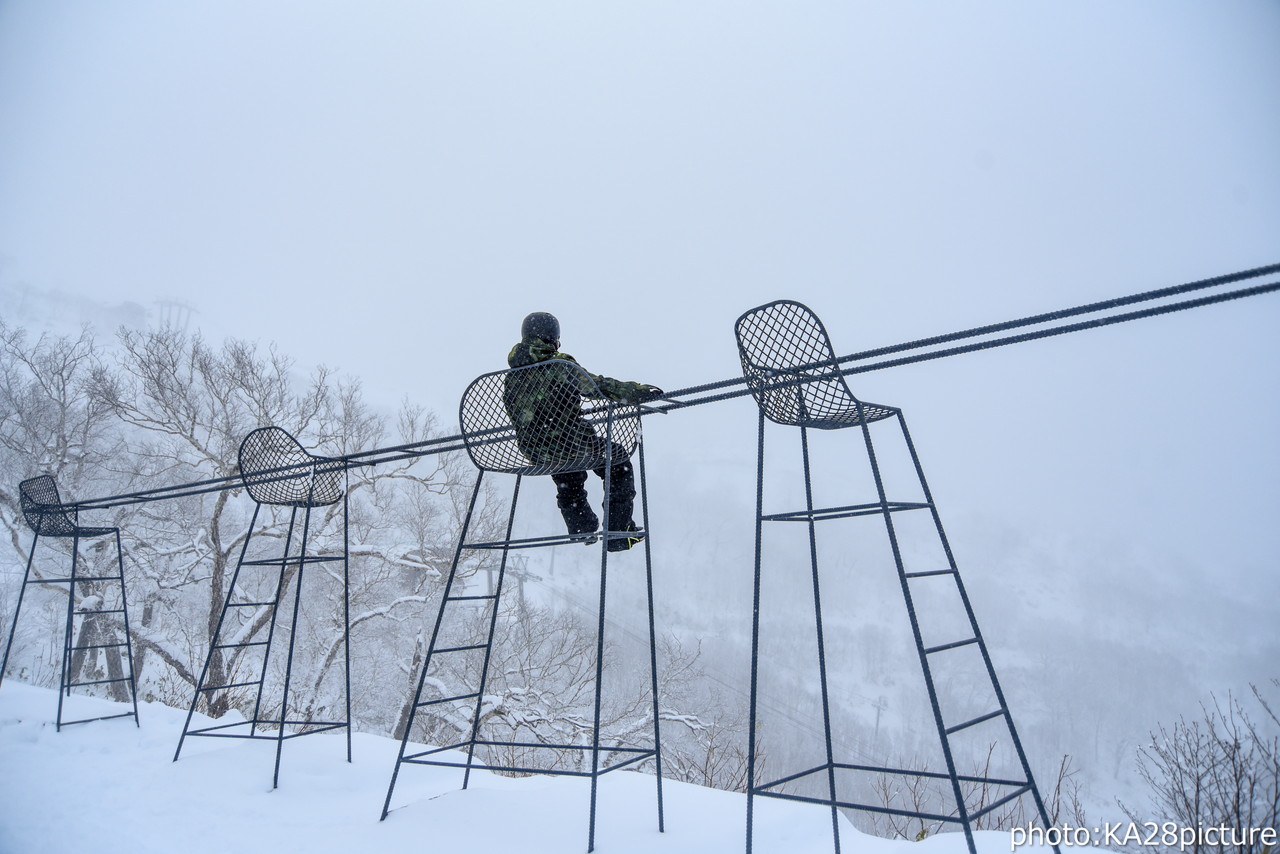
x: 389, y: 188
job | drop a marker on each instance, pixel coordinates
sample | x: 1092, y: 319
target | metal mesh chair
x: 276, y: 470
x: 791, y: 369
x: 542, y: 419
x: 45, y: 513
x: 47, y: 516
x: 545, y: 418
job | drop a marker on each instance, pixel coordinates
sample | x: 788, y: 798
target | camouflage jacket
x: 545, y: 406
x: 532, y: 350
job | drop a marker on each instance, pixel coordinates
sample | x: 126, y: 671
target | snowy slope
x: 110, y: 787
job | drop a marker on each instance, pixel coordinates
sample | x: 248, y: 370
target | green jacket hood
x: 531, y: 350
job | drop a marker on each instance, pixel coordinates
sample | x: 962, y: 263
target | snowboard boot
x: 621, y: 543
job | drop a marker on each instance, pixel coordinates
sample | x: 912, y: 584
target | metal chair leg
x: 22, y: 591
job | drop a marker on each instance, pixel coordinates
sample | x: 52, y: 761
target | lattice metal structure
x: 47, y: 516
x: 276, y: 470
x: 790, y: 367
x: 541, y: 419
x: 788, y: 361
x: 545, y: 418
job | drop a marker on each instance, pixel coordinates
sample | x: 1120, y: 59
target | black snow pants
x: 571, y: 496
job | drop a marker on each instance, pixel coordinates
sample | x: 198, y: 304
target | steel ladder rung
x: 448, y: 699
x: 75, y: 580
x: 99, y: 646
x: 997, y: 713
x: 459, y: 648
x: 238, y: 645
x: 945, y: 646
x: 928, y: 573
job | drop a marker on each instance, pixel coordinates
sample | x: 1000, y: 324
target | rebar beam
x: 931, y: 348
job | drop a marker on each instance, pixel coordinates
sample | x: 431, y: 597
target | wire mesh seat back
x: 276, y: 469
x: 43, y: 511
x: 545, y: 418
x: 778, y: 343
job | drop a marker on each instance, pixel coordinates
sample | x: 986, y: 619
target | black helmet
x: 542, y: 325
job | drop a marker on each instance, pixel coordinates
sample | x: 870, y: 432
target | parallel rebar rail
x: 1092, y: 316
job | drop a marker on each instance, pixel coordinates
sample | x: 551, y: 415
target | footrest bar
x: 997, y: 804
x: 935, y: 775
x: 238, y: 645
x: 261, y: 736
x: 532, y: 744
x: 844, y: 512
x: 77, y: 580
x: 789, y: 778
x: 99, y: 646
x: 234, y: 685
x: 632, y: 761
x: 319, y: 727
x: 276, y: 561
x: 110, y: 611
x: 212, y: 730
x: 854, y: 806
x: 103, y: 718
x: 433, y: 750
x: 521, y: 769
x: 554, y: 540
x: 460, y: 648
x: 480, y: 766
x: 928, y: 573
x: 97, y: 682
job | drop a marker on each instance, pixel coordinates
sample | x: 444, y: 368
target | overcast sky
x: 389, y: 187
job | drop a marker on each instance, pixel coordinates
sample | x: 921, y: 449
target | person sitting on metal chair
x: 543, y: 433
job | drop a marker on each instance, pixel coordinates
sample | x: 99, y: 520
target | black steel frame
x: 778, y: 342
x: 493, y: 447
x: 307, y: 482
x: 47, y: 516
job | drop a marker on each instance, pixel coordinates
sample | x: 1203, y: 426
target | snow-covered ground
x: 109, y: 786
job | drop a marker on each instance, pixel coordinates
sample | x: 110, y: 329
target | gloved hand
x: 646, y: 393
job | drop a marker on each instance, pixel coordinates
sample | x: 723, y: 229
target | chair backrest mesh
x: 774, y: 341
x: 42, y: 508
x: 276, y: 469
x: 545, y: 418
